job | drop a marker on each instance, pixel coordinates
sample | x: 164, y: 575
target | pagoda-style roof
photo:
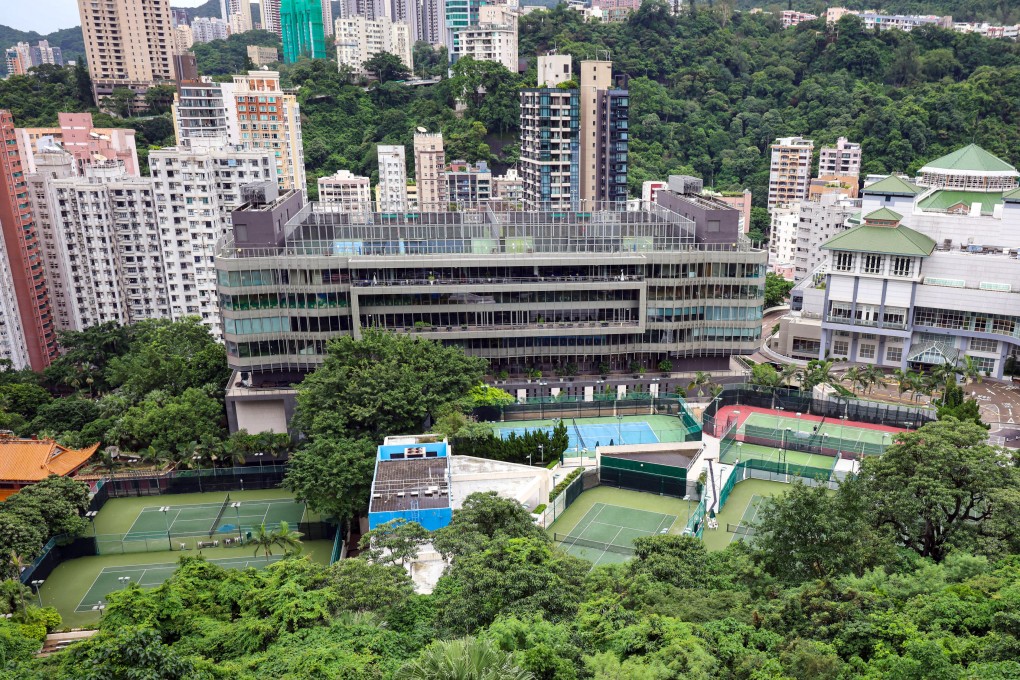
x: 898, y: 240
x: 970, y: 159
x: 893, y: 186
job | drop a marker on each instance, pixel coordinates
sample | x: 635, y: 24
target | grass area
x: 69, y: 584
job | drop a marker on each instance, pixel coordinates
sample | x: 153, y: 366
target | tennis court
x: 745, y: 527
x: 213, y: 518
x: 606, y: 533
x: 587, y: 433
x: 836, y: 429
x: 739, y: 451
x: 150, y: 576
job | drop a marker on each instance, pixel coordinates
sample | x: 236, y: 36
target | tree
x: 283, y: 537
x: 699, y: 382
x: 777, y: 289
x: 369, y: 586
x: 760, y: 222
x: 954, y: 405
x: 465, y: 659
x: 166, y: 421
x: 333, y: 476
x: 120, y: 102
x: 852, y: 376
x: 130, y: 652
x: 483, y: 517
x: 385, y: 66
x: 937, y: 486
x: 159, y: 98
x: 765, y: 375
x: 678, y: 560
x: 485, y: 395
x: 383, y: 384
x: 396, y: 541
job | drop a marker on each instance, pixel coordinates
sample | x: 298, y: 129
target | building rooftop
x: 33, y: 460
x: 971, y: 158
x: 884, y: 214
x: 1012, y: 196
x: 897, y: 240
x: 415, y: 483
x: 944, y: 201
x: 893, y: 186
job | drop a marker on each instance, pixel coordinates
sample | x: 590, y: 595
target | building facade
x: 790, y: 170
x: 508, y: 187
x: 303, y: 35
x: 842, y: 160
x: 521, y: 289
x: 392, y: 187
x: 53, y: 163
x: 469, y: 185
x: 818, y: 222
x: 263, y: 56
x: 76, y: 134
x: 358, y: 39
x: 207, y: 29
x: 269, y: 13
x: 23, y: 251
x: 128, y: 44
x: 459, y: 14
x: 790, y: 18
x: 346, y: 192
x: 927, y: 278
x: 239, y: 16
x: 430, y: 172
x: 200, y: 110
x: 494, y: 38
x: 268, y: 117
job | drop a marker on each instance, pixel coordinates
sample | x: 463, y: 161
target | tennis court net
x: 568, y: 540
x: 219, y: 516
x: 577, y: 431
x: 741, y: 529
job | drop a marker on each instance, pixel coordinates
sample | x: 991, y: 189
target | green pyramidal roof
x: 1012, y: 196
x: 971, y: 158
x: 885, y: 215
x: 886, y: 240
x: 893, y: 186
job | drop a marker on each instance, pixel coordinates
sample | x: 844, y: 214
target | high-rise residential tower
x: 128, y: 44
x: 429, y: 172
x: 842, y: 160
x: 301, y: 24
x: 267, y: 117
x: 392, y: 187
x: 269, y: 11
x: 790, y: 171
x: 22, y: 250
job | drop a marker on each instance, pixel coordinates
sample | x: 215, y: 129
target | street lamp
x: 124, y: 580
x: 740, y: 457
x: 541, y: 452
x: 688, y: 499
x: 619, y: 425
x: 798, y: 423
x: 237, y: 512
x: 91, y: 515
x: 782, y: 451
x: 99, y: 607
x: 36, y: 585
x: 165, y: 509
x: 259, y: 456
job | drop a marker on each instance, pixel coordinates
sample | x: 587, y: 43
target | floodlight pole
x: 688, y: 499
x: 237, y: 511
x: 541, y: 453
x: 91, y: 515
x: 36, y: 584
x: 619, y: 425
x: 259, y: 456
x: 169, y: 541
x: 124, y: 580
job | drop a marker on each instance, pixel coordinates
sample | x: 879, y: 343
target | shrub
x: 539, y: 509
x: 665, y: 366
x: 564, y: 483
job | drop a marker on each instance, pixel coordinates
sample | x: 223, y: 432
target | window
x: 894, y: 316
x: 844, y: 262
x: 872, y: 264
x: 866, y: 352
x: 841, y: 347
x: 1003, y: 326
x: 984, y: 364
x: 902, y: 266
x: 982, y: 345
x: 894, y: 355
x: 839, y: 311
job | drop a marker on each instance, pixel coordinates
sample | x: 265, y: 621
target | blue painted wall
x: 387, y: 450
x: 430, y: 518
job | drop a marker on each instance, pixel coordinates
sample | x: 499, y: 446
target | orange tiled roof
x: 33, y: 460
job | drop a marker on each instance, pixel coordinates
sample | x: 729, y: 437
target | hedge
x: 558, y: 489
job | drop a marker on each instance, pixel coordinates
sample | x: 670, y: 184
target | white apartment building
x: 842, y: 160
x: 790, y: 170
x: 508, y: 186
x: 184, y: 38
x: 207, y: 29
x: 110, y: 238
x: 196, y: 190
x: 494, y: 38
x: 261, y: 56
x: 429, y: 172
x: 392, y: 187
x: 818, y: 221
x: 929, y: 277
x: 783, y: 222
x: 469, y: 185
x: 52, y: 163
x: 239, y: 16
x: 13, y: 346
x: 359, y: 38
x: 346, y: 192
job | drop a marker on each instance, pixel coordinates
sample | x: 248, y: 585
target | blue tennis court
x: 589, y: 436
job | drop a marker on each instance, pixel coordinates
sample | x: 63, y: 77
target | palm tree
x: 907, y: 381
x: 943, y: 374
x: 788, y: 373
x: 466, y: 659
x: 853, y: 376
x: 969, y: 370
x: 16, y: 563
x: 874, y: 376
x: 265, y: 540
x: 701, y: 378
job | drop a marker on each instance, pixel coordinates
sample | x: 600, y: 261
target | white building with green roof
x: 930, y: 275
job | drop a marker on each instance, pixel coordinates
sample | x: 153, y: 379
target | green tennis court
x: 745, y: 527
x: 601, y: 430
x: 606, y: 533
x: 832, y: 428
x: 213, y: 518
x: 739, y: 451
x: 150, y: 576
